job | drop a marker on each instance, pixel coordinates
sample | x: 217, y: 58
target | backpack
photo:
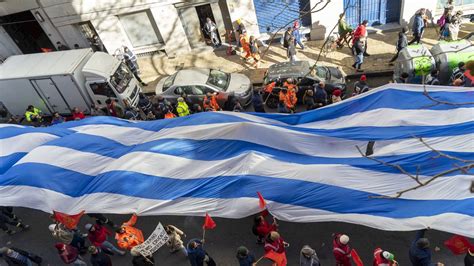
x: 441, y: 21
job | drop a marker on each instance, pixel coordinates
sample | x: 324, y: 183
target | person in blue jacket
x: 197, y: 255
x: 420, y: 253
x: 418, y: 26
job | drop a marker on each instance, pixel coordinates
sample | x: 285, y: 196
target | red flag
x: 457, y: 244
x: 356, y: 258
x: 46, y: 50
x: 208, y: 222
x: 261, y: 202
x: 70, y: 221
x: 278, y: 258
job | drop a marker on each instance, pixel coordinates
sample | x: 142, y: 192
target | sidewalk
x: 381, y: 47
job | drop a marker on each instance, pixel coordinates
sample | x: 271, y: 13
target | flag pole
x: 203, y: 235
x: 261, y: 258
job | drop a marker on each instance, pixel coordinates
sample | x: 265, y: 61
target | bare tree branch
x: 469, y: 164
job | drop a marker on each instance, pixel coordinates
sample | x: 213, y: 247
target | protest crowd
x: 98, y: 242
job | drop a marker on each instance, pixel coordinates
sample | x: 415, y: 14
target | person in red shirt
x: 383, y: 258
x: 97, y: 235
x: 69, y: 254
x: 274, y: 242
x: 341, y: 250
x: 77, y: 114
x: 261, y: 228
x: 361, y: 32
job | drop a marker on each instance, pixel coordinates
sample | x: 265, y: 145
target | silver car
x: 197, y: 82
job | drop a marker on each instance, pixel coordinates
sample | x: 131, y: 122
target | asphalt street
x: 222, y: 242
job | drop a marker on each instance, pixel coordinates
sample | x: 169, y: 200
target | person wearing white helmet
x: 384, y: 258
x: 341, y: 250
x: 69, y: 237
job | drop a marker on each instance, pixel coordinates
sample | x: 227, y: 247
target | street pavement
x: 221, y: 243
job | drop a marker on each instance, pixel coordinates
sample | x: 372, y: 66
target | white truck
x: 60, y: 81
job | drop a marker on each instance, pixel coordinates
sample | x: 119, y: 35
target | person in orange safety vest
x: 212, y: 103
x: 128, y: 236
x: 245, y: 42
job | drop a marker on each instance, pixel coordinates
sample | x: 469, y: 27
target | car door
x: 199, y: 92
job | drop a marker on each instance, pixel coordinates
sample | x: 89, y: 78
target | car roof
x: 192, y: 76
x: 288, y: 69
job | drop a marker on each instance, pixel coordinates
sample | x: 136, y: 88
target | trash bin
x: 417, y: 61
x: 447, y: 55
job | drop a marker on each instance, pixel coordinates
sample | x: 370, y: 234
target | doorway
x: 203, y: 12
x: 26, y: 32
x: 377, y: 12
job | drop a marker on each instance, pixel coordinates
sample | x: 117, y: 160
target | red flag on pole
x: 278, y: 258
x: 457, y: 244
x: 208, y: 222
x: 261, y: 202
x: 70, y: 221
x: 356, y: 258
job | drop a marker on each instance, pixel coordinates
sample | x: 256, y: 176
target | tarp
x: 306, y: 165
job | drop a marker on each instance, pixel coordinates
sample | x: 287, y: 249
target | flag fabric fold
x: 308, y: 163
x: 278, y: 258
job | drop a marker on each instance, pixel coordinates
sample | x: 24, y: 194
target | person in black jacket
x: 401, y: 43
x: 98, y: 257
x: 257, y: 101
x: 291, y: 50
x: 287, y: 36
x: 8, y: 217
x: 359, y: 49
x: 19, y: 257
x: 140, y: 260
x: 420, y: 253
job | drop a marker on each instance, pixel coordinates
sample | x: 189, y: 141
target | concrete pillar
x: 324, y: 20
x: 245, y: 10
x: 216, y: 11
x: 111, y: 33
x: 7, y: 45
x: 171, y: 29
x: 409, y: 7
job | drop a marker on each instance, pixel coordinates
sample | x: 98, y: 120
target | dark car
x: 306, y: 78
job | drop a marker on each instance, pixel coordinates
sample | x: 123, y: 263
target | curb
x: 370, y: 74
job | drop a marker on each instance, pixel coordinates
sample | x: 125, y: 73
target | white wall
x: 14, y: 6
x: 111, y: 33
x: 245, y: 10
x: 409, y: 7
x: 324, y: 21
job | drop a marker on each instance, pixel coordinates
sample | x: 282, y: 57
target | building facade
x: 174, y: 27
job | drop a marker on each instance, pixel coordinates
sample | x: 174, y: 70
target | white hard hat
x: 51, y: 227
x: 344, y: 239
x: 387, y: 255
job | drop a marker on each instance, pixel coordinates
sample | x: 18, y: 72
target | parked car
x: 197, y: 82
x: 300, y: 71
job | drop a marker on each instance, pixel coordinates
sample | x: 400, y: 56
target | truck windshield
x: 121, y: 78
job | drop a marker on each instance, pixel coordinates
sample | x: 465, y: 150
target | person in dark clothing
x: 130, y: 60
x: 418, y: 27
x: 62, y: 47
x: 320, y: 95
x: 197, y: 255
x: 19, y: 257
x: 140, y: 260
x: 257, y: 101
x: 286, y: 37
x: 291, y: 50
x: 102, y: 220
x: 8, y: 217
x: 144, y: 104
x: 361, y: 86
x: 403, y: 78
x: 469, y: 258
x: 161, y: 107
x: 432, y: 79
x: 420, y: 254
x: 458, y: 72
x: 98, y: 257
x: 244, y: 257
x: 359, y: 49
x: 308, y: 100
x: 401, y: 43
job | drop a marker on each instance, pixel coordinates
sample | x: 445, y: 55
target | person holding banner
x: 174, y: 242
x: 129, y: 236
x: 140, y: 259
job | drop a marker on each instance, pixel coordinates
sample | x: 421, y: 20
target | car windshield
x: 218, y: 79
x: 169, y: 81
x: 121, y: 78
x: 319, y: 72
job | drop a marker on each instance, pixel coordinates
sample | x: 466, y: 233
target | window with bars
x: 140, y: 30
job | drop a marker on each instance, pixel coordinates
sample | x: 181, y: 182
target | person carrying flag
x: 341, y: 250
x: 128, y: 236
x: 261, y: 227
x: 384, y: 258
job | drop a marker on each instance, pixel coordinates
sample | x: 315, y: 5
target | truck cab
x: 106, y: 77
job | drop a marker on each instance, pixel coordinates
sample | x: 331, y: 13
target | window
x: 218, y: 79
x: 102, y: 89
x: 121, y: 78
x: 169, y: 81
x: 186, y: 89
x: 140, y: 30
x: 319, y: 73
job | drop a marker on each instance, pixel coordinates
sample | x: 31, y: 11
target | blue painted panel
x: 377, y: 12
x: 278, y: 13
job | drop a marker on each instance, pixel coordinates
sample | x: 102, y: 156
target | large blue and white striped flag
x: 306, y: 165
